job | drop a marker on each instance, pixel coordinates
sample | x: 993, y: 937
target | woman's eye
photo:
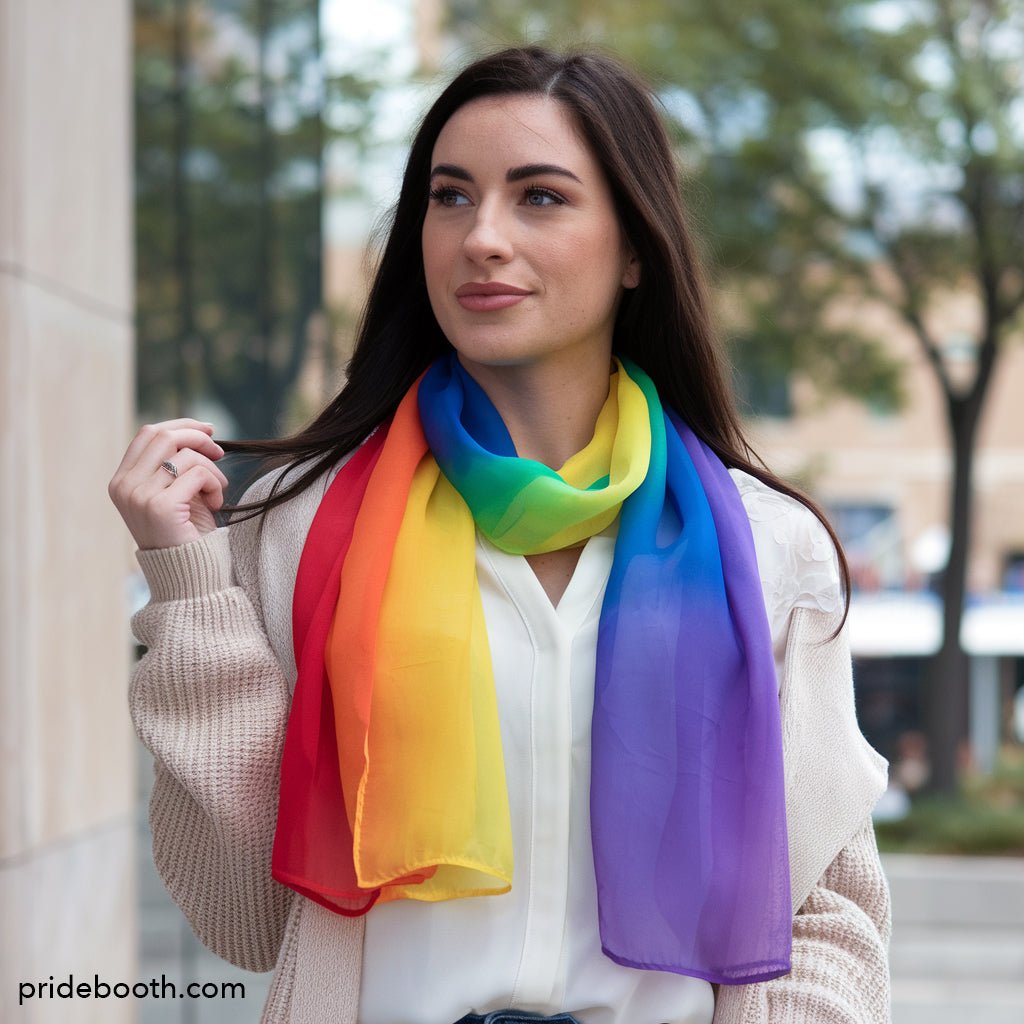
x: 447, y: 196
x: 543, y: 197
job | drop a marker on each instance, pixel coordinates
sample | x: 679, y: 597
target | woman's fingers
x: 164, y: 508
x: 198, y: 481
x: 158, y: 477
x: 157, y: 444
x: 154, y: 431
x: 153, y: 447
x: 187, y: 459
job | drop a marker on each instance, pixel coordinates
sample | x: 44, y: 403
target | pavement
x: 957, y: 951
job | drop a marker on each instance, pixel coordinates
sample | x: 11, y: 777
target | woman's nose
x: 489, y: 237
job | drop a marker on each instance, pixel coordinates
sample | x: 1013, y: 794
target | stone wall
x: 67, y: 818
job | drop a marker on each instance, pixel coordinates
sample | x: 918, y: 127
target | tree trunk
x: 947, y: 677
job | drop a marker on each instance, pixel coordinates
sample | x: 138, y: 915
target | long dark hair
x: 664, y: 324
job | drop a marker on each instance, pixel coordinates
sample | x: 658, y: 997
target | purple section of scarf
x: 687, y: 794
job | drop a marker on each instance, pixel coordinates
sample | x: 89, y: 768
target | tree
x: 865, y: 149
x: 233, y: 113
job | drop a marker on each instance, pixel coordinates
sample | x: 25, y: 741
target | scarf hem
x: 766, y: 971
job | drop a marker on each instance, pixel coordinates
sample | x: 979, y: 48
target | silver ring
x: 170, y: 467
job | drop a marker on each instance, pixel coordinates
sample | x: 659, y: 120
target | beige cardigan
x: 210, y: 700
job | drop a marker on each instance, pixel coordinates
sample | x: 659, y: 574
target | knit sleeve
x: 210, y: 701
x: 840, y: 952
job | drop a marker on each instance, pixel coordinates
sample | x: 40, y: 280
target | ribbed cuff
x: 197, y: 569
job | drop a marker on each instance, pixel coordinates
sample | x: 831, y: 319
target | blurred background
x: 189, y: 193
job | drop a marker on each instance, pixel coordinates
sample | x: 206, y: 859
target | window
x: 871, y: 537
x: 1013, y: 572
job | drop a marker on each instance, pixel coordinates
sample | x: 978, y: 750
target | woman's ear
x: 631, y: 275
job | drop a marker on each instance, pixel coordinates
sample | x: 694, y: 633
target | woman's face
x: 524, y: 256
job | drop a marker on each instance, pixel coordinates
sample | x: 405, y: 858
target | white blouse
x: 537, y: 947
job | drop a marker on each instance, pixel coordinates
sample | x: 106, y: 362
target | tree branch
x: 988, y: 353
x: 911, y: 312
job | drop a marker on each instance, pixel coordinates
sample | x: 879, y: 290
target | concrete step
x: 938, y: 1001
x: 957, y: 950
x: 958, y: 954
x: 957, y: 892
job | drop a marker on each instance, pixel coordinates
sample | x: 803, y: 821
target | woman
x: 577, y: 743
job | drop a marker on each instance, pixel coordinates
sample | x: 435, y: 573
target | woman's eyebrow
x: 536, y: 170
x: 513, y: 174
x: 450, y: 171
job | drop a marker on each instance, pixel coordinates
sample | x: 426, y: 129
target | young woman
x: 524, y: 690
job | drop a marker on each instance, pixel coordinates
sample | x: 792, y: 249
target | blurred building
x: 885, y: 475
x: 67, y: 815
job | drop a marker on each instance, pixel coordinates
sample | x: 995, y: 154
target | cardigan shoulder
x: 796, y: 558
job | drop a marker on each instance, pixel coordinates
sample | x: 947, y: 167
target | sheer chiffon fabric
x: 687, y: 798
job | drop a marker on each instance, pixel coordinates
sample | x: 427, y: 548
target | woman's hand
x: 167, y: 487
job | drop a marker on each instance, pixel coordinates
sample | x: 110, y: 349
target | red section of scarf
x: 312, y: 827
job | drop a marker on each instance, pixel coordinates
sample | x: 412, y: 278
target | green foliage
x: 955, y: 826
x: 986, y: 817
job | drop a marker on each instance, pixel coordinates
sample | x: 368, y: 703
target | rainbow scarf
x: 392, y: 780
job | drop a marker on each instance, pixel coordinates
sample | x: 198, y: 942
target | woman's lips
x: 485, y: 303
x: 483, y: 298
